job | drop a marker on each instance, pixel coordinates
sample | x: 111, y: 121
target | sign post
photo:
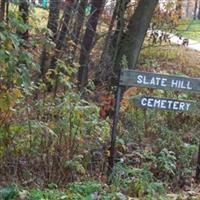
x: 156, y: 81
x: 114, y: 129
x: 197, y: 175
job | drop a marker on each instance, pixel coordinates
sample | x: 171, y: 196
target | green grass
x: 189, y: 29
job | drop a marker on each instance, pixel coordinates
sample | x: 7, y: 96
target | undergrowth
x: 54, y: 145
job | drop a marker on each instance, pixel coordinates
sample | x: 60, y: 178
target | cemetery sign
x: 156, y: 81
x: 159, y: 81
x: 166, y: 104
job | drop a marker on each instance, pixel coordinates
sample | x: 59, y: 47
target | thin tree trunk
x: 7, y: 9
x: 187, y: 8
x: 119, y: 31
x: 24, y: 10
x: 105, y: 56
x: 179, y: 8
x: 109, y: 53
x: 54, y: 12
x: 198, y: 15
x: 2, y: 10
x: 108, y: 38
x: 87, y: 44
x: 61, y: 41
x: 195, y: 10
x: 79, y: 20
x: 64, y: 28
x: 133, y: 38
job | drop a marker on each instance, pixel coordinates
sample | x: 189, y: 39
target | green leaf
x: 8, y: 193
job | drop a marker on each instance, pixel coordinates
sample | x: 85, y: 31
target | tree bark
x: 79, y: 20
x: 195, y: 10
x: 54, y: 12
x: 61, y: 39
x: 64, y: 28
x: 106, y: 58
x: 88, y: 39
x: 198, y: 15
x: 187, y: 8
x: 24, y: 10
x: 109, y: 53
x: 2, y: 10
x: 132, y: 39
x: 7, y: 10
x: 60, y: 43
x: 179, y: 8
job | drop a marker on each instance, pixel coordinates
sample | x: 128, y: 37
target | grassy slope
x: 171, y: 59
x: 190, y: 29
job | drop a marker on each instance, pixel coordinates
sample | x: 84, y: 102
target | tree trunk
x: 79, y: 20
x: 54, y: 12
x: 132, y: 39
x: 2, y: 10
x: 109, y: 53
x: 187, y: 8
x: 87, y: 44
x: 24, y: 10
x: 7, y: 9
x: 64, y: 29
x: 198, y: 16
x: 61, y: 41
x: 118, y: 35
x: 106, y: 58
x: 195, y: 10
x: 179, y: 8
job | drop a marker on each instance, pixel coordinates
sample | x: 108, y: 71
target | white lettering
x: 163, y: 102
x: 188, y: 106
x: 163, y: 82
x: 150, y: 103
x: 158, y: 80
x: 157, y: 103
x: 174, y: 83
x: 189, y: 85
x: 175, y: 106
x: 145, y: 81
x: 144, y: 101
x: 139, y: 79
x: 153, y: 81
x: 182, y: 85
x: 179, y: 84
x: 182, y: 106
x: 170, y: 104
